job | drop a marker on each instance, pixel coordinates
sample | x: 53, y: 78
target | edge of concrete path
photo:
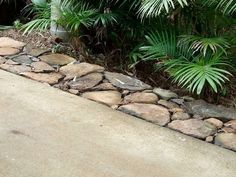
x: 93, y: 104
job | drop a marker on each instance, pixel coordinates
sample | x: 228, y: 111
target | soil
x: 143, y: 71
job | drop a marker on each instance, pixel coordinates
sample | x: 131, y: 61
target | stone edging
x: 214, y: 124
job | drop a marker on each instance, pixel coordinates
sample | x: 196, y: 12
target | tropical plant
x: 194, y: 41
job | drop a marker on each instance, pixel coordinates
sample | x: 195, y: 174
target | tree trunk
x: 57, y: 30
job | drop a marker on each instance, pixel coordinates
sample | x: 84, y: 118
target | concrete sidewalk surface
x: 45, y: 132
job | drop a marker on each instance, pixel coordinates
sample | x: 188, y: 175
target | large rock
x: 6, y: 51
x: 106, y: 97
x: 125, y: 82
x: 165, y: 94
x: 37, y: 52
x: 40, y: 67
x: 57, y: 59
x: 227, y: 140
x: 22, y: 59
x: 9, y: 42
x: 50, y: 78
x: 86, y: 82
x: 78, y: 70
x: 207, y: 110
x: 17, y: 69
x: 194, y: 127
x: 216, y: 122
x: 141, y: 97
x: 150, y: 112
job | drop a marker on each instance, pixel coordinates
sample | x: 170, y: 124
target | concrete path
x: 45, y: 132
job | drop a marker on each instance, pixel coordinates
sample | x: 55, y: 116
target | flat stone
x: 86, y: 82
x: 140, y: 97
x: 57, y: 59
x: 22, y: 59
x: 207, y: 110
x: 125, y: 82
x: 17, y: 69
x: 165, y: 94
x: 9, y: 42
x: 104, y: 87
x: 40, y: 67
x: 231, y: 124
x: 37, y: 52
x: 2, y: 60
x: 180, y: 116
x: 226, y: 140
x: 168, y: 104
x: 109, y: 98
x: 50, y: 78
x: 216, y: 122
x: 6, y: 51
x: 78, y: 70
x: 150, y: 112
x: 194, y: 127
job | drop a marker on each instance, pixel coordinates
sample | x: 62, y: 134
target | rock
x: 140, y: 97
x: 9, y: 42
x: 57, y: 59
x: 168, y: 104
x: 109, y: 98
x: 2, y: 60
x: 231, y: 124
x: 150, y: 112
x: 180, y: 116
x: 37, y: 52
x: 125, y: 82
x: 17, y: 69
x: 206, y: 110
x: 22, y: 59
x: 40, y: 67
x: 78, y: 70
x: 115, y: 107
x: 178, y: 101
x: 86, y: 82
x: 216, y: 122
x: 165, y: 94
x: 228, y: 130
x: 62, y: 85
x: 104, y: 87
x: 10, y: 62
x: 34, y: 59
x: 73, y: 91
x: 50, y: 78
x: 209, y: 139
x: 6, y: 51
x: 226, y: 140
x: 194, y: 127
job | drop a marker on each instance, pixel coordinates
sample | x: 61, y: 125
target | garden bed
x: 196, y: 118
